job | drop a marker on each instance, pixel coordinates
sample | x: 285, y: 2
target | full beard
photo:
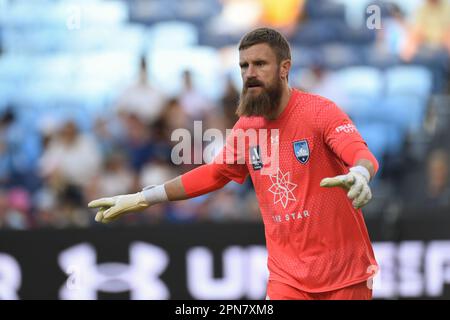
x: 264, y: 104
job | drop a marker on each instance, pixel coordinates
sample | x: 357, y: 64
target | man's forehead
x: 257, y: 51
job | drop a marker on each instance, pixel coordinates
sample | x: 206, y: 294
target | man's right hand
x: 114, y: 207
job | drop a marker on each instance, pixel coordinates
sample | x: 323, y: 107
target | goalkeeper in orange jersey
x: 310, y: 193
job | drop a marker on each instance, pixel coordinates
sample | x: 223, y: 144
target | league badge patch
x: 255, y: 158
x: 301, y: 151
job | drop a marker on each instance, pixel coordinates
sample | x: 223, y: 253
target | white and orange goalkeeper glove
x: 114, y: 207
x: 357, y: 184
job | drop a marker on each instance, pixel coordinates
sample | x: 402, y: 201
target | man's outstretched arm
x: 201, y: 180
x: 175, y: 190
x: 356, y: 182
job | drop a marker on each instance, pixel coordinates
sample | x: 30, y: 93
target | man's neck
x: 285, y: 97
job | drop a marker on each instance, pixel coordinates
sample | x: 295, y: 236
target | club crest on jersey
x: 255, y: 158
x: 301, y: 151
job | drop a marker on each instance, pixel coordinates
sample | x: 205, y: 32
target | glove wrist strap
x: 361, y: 170
x: 155, y: 194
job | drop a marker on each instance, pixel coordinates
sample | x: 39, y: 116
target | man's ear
x: 285, y: 66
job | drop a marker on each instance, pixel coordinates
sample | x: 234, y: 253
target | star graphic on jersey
x: 282, y: 188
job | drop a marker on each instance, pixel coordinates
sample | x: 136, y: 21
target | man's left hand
x: 357, y: 184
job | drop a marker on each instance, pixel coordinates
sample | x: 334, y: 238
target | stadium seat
x: 404, y: 111
x: 378, y: 59
x: 195, y: 10
x: 150, y: 12
x: 324, y: 9
x: 305, y: 57
x: 14, y: 69
x: 316, y: 32
x: 172, y: 35
x: 32, y: 40
x: 361, y: 109
x: 409, y: 80
x: 354, y: 11
x: 377, y: 137
x: 361, y: 81
x: 47, y: 13
x: 396, y: 138
x: 337, y: 56
x: 355, y: 36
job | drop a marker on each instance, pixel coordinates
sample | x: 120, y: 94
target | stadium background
x: 90, y: 92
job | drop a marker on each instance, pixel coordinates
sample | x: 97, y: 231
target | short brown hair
x: 273, y: 38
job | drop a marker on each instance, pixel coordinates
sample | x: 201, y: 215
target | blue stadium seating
x: 337, y: 56
x: 321, y: 31
x: 377, y: 137
x: 324, y: 9
x: 172, y: 35
x: 409, y: 80
x: 45, y: 66
x: 303, y: 56
x: 405, y: 111
x: 361, y: 81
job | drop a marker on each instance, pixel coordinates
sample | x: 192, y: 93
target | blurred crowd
x: 126, y: 150
x: 47, y: 179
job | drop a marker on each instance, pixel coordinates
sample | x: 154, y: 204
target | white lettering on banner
x: 244, y: 273
x: 384, y: 281
x: 437, y: 267
x: 412, y: 269
x: 257, y: 272
x: 141, y: 277
x: 406, y: 269
x: 410, y: 254
x: 10, y: 277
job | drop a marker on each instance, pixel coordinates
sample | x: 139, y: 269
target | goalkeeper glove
x: 357, y: 184
x: 114, y: 207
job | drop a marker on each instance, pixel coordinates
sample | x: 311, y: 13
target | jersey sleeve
x: 337, y: 129
x: 230, y: 161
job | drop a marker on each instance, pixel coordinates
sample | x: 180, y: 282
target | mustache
x: 253, y: 83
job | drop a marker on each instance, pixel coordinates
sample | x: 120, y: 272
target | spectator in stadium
x: 428, y: 190
x: 431, y: 29
x: 229, y: 101
x: 70, y: 161
x: 18, y: 152
x: 172, y: 118
x: 71, y: 158
x: 283, y: 15
x: 192, y: 100
x: 139, y: 142
x: 109, y: 134
x: 438, y: 187
x: 392, y: 36
x: 14, y: 209
x: 230, y: 22
x: 317, y: 241
x: 114, y: 178
x: 141, y: 98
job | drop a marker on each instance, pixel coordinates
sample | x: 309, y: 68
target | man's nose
x: 250, y: 72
